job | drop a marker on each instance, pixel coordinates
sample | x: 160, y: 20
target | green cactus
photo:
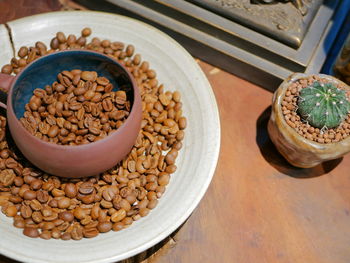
x: 323, y: 105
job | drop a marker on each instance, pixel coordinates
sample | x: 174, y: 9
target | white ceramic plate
x: 176, y: 69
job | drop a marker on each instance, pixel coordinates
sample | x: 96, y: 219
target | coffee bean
x: 108, y: 194
x: 86, y: 188
x: 66, y: 236
x: 53, y: 203
x: 66, y: 216
x: 89, y: 75
x: 86, y: 32
x: 88, y: 199
x: 41, y: 46
x: 104, y: 227
x: 42, y: 196
x: 118, y: 215
x: 70, y: 190
x: 11, y: 211
x: 26, y: 211
x: 22, y: 52
x: 36, y: 184
x: 90, y: 232
x: 35, y: 204
x: 37, y: 217
x: 53, y: 131
x: 81, y: 41
x: 130, y: 50
x: 31, y: 232
x: 10, y: 163
x: 57, y: 192
x: 61, y: 37
x: 45, y: 234
x: 164, y: 178
x: 63, y: 203
x: 54, y: 43
x: 7, y: 176
x: 14, y: 198
x: 29, y: 195
x: 19, y: 223
x: 6, y: 69
x: 77, y: 233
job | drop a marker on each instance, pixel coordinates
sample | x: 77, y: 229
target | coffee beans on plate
x: 79, y: 108
x: 46, y: 206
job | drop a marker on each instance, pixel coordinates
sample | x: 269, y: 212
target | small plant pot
x: 297, y: 150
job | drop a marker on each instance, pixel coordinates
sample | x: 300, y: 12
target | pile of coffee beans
x: 289, y: 110
x: 79, y: 108
x: 46, y: 206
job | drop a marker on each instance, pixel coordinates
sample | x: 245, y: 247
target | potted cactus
x: 310, y: 121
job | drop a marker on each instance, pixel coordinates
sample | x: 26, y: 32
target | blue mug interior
x: 44, y: 72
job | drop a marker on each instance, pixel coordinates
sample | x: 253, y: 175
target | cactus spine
x: 323, y: 105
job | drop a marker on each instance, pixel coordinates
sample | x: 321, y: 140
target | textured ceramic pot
x: 71, y: 161
x: 296, y: 149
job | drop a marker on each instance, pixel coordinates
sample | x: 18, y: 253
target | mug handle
x: 5, y: 84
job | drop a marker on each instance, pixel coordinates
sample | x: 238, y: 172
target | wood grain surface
x: 257, y: 208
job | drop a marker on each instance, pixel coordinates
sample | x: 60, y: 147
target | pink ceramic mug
x: 71, y: 161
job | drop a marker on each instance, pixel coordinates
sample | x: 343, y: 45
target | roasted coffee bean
x: 42, y: 196
x: 29, y: 195
x: 7, y: 69
x: 26, y: 211
x: 104, y: 227
x: 35, y: 205
x: 19, y: 223
x: 31, y: 232
x: 86, y: 188
x: 7, y: 176
x: 54, y: 43
x: 88, y: 199
x: 70, y: 190
x: 66, y: 216
x: 77, y: 233
x: 46, y: 234
x: 86, y: 32
x: 63, y: 203
x: 118, y: 215
x: 53, y: 203
x: 89, y: 75
x: 66, y: 236
x: 37, y: 217
x: 53, y: 131
x: 11, y: 211
x: 90, y: 232
x: 36, y: 184
x: 81, y: 41
x: 79, y: 213
x: 108, y: 194
x: 61, y: 37
x: 22, y: 52
x: 152, y: 204
x: 15, y: 198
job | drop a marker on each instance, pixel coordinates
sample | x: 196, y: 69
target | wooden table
x: 258, y: 208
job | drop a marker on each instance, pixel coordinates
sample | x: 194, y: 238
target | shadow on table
x: 275, y: 159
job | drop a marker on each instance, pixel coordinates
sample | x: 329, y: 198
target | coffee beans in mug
x: 80, y: 107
